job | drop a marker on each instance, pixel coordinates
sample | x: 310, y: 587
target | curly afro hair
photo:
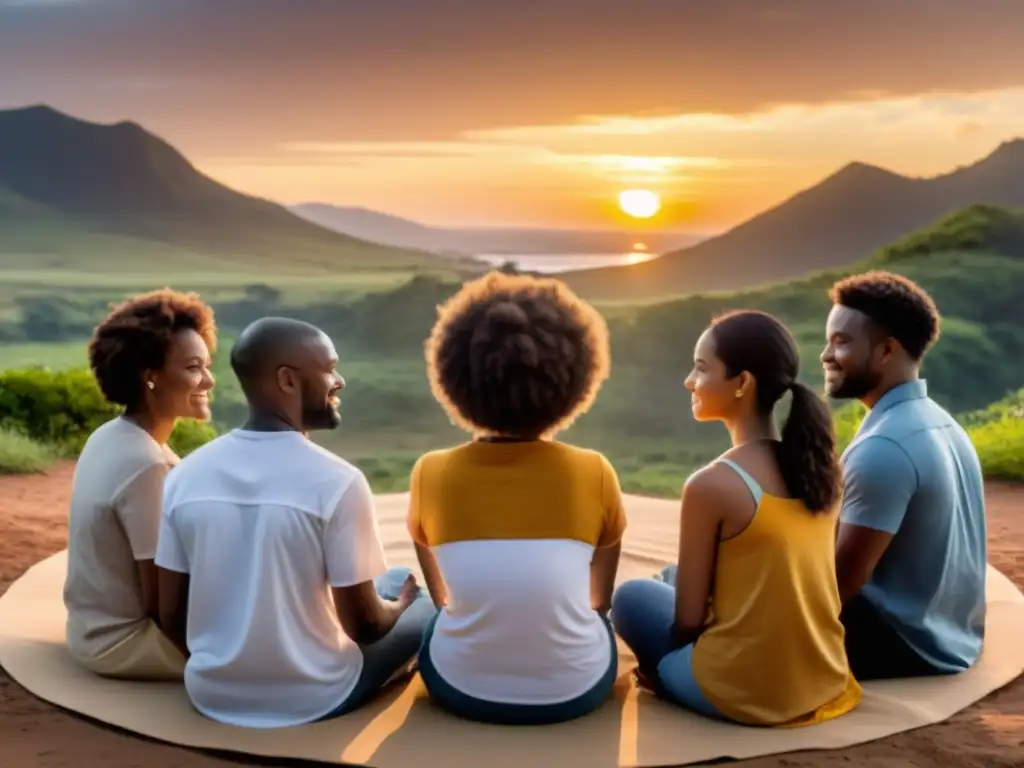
x: 517, y: 356
x: 136, y: 336
x: 896, y: 305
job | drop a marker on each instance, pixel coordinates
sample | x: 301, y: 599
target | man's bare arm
x: 858, y: 551
x: 149, y: 582
x: 879, y: 482
x: 363, y: 614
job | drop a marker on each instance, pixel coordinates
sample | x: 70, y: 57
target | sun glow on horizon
x: 636, y: 257
x: 639, y: 203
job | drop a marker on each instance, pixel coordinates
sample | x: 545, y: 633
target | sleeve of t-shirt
x: 170, y: 552
x: 352, y: 545
x: 414, y: 522
x: 138, y: 506
x: 614, y: 511
x: 879, y: 481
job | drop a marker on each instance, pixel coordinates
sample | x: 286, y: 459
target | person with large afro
x: 518, y: 534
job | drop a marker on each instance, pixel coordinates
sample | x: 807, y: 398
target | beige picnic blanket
x: 403, y: 728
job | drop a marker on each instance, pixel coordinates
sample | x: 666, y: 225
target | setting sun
x: 639, y: 203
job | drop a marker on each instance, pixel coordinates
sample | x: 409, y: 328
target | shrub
x: 189, y: 434
x: 62, y: 408
x: 847, y: 419
x: 997, y: 433
x: 20, y: 454
x: 54, y: 407
x: 1000, y: 447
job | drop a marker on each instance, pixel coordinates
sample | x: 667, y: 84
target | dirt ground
x: 33, y: 734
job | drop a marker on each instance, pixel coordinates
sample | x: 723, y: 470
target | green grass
x: 389, y: 418
x: 56, y: 355
x: 641, y: 419
x: 298, y: 287
x: 21, y: 455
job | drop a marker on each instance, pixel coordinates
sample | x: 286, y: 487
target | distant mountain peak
x: 853, y: 212
x: 861, y: 171
x: 38, y: 116
x: 39, y: 108
x: 37, y: 112
x: 117, y: 178
x: 1011, y: 150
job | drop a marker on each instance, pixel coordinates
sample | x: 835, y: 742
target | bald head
x: 288, y: 366
x: 267, y: 344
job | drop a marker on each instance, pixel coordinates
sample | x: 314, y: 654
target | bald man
x: 272, y: 575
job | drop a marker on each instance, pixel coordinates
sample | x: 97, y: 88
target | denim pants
x: 503, y: 713
x: 643, y: 614
x: 396, y: 651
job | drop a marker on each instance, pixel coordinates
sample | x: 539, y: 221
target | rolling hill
x: 393, y: 230
x: 70, y: 189
x: 846, y: 217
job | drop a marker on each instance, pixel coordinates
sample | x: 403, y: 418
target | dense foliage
x: 972, y: 262
x: 60, y: 409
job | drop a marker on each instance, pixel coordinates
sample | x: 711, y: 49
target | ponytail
x: 807, y: 452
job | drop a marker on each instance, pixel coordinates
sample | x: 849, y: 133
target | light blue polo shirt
x: 912, y: 471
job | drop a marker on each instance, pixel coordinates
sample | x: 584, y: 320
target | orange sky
x: 451, y: 113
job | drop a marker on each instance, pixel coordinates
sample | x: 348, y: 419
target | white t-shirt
x: 112, y: 523
x: 265, y: 523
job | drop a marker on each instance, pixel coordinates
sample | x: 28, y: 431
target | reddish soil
x: 34, y: 734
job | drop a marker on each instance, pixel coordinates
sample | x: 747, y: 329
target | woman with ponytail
x: 517, y: 534
x: 746, y: 627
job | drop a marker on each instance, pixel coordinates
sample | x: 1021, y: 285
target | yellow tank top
x: 773, y: 652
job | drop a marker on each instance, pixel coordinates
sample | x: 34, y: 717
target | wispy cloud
x: 712, y: 168
x: 407, y: 149
x: 845, y: 116
x: 678, y: 146
x: 633, y: 168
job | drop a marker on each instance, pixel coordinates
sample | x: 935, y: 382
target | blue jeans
x: 385, y: 658
x: 643, y: 614
x: 503, y: 713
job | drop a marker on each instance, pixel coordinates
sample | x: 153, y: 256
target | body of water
x: 551, y: 263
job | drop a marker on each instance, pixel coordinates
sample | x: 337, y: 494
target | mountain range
x: 70, y: 187
x: 387, y: 229
x: 109, y: 198
x: 845, y: 217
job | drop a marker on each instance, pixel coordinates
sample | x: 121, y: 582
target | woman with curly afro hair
x: 518, y: 534
x: 151, y: 356
x: 746, y: 628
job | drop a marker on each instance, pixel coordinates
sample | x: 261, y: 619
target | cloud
x: 969, y: 129
x: 404, y: 149
x: 617, y: 166
x: 677, y: 149
x: 853, y: 114
x: 712, y: 169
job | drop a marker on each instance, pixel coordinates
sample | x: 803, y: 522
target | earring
x: 151, y: 385
x: 739, y: 393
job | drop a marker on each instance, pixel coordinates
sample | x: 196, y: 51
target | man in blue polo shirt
x: 911, y: 551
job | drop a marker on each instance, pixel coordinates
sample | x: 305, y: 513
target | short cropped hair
x: 136, y: 336
x: 517, y: 355
x: 896, y: 305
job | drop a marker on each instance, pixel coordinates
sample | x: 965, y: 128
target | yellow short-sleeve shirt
x: 514, y: 526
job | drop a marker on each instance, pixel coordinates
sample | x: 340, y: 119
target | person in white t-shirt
x: 272, y: 572
x: 150, y: 355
